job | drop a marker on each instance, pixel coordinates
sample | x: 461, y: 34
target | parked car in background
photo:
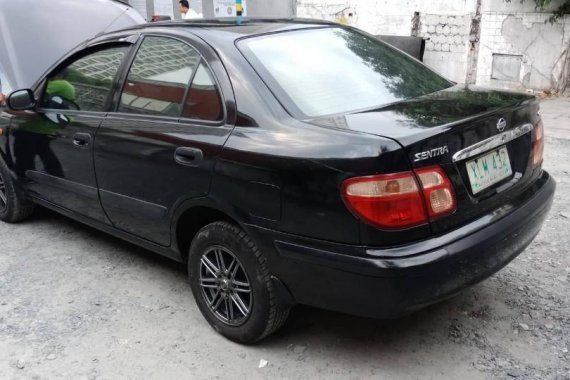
x: 156, y: 18
x: 284, y: 162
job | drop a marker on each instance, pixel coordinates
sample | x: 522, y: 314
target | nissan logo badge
x: 501, y: 124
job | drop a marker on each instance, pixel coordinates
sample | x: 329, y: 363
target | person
x: 186, y: 12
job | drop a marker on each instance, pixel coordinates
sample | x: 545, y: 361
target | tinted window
x: 332, y: 70
x: 203, y: 101
x: 159, y: 77
x: 86, y: 82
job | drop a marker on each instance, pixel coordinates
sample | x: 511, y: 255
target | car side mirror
x: 21, y: 100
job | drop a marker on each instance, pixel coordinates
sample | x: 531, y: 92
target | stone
x: 263, y: 363
x: 299, y: 349
x: 21, y: 364
x: 524, y: 326
x: 51, y: 357
x: 515, y: 373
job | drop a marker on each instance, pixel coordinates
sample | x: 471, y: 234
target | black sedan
x: 284, y: 161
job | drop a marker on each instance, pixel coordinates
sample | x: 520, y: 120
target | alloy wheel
x: 225, y: 286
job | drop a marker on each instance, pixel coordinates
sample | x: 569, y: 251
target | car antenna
x: 112, y: 22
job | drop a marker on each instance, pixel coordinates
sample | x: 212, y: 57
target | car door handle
x: 82, y: 140
x: 188, y: 156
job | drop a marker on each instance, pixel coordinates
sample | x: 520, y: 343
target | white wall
x: 445, y: 25
x: 512, y: 31
x: 537, y: 43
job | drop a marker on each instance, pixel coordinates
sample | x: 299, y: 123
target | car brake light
x: 538, y: 143
x: 388, y: 201
x: 397, y: 201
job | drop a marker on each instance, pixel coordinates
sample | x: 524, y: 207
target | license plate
x: 489, y: 169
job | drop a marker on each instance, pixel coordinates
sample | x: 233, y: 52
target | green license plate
x: 489, y: 169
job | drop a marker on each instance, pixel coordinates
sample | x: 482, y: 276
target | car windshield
x: 328, y: 71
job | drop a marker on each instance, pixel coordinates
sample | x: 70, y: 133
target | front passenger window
x: 159, y: 77
x: 86, y: 83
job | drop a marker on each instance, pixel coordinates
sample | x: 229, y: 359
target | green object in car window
x: 61, y: 87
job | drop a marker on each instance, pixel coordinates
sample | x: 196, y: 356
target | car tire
x: 217, y: 286
x: 14, y: 207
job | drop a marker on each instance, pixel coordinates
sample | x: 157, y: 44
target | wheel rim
x: 225, y: 286
x: 3, y: 197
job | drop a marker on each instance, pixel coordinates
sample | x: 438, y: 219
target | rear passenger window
x: 158, y: 78
x: 203, y: 101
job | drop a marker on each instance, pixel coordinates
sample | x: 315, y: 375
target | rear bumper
x: 385, y: 283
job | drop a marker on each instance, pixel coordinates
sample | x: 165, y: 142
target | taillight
x: 438, y: 191
x: 538, y: 143
x: 397, y: 201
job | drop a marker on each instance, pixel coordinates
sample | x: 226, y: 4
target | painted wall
x: 445, y: 25
x: 519, y: 48
x: 505, y: 45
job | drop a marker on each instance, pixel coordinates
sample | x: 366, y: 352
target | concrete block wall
x: 533, y: 44
x: 447, y: 43
x: 445, y: 24
x: 513, y: 36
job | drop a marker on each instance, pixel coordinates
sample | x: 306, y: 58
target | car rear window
x: 320, y: 72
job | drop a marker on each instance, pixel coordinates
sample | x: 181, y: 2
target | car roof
x: 227, y: 29
x: 248, y: 26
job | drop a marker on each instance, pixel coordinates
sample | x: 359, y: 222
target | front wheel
x: 232, y: 285
x: 13, y: 205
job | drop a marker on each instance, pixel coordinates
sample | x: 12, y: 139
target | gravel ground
x: 78, y: 304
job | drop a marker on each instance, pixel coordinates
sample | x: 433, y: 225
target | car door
x: 158, y: 148
x: 53, y: 146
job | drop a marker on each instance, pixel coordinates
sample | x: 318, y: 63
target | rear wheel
x: 232, y: 285
x: 13, y: 205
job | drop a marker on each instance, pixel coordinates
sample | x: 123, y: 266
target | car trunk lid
x: 482, y: 140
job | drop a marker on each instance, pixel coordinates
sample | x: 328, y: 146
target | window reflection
x: 332, y: 71
x: 159, y: 77
x: 203, y: 101
x: 86, y: 82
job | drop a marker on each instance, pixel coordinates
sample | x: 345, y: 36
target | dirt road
x: 78, y: 304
